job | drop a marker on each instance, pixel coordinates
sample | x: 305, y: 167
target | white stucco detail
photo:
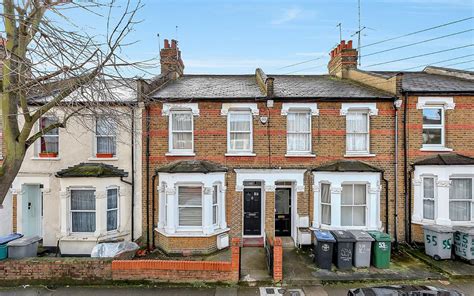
x: 372, y: 107
x: 336, y: 180
x: 269, y: 177
x: 441, y: 175
x: 239, y: 106
x: 167, y: 107
x: 286, y: 107
x: 446, y: 102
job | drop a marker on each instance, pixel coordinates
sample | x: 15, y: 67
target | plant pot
x: 104, y: 155
x: 48, y: 154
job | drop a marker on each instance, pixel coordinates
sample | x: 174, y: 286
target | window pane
x: 214, y: 215
x: 298, y: 122
x: 326, y: 214
x: 240, y: 121
x: 357, y: 122
x: 83, y: 200
x: 105, y: 126
x: 47, y: 121
x: 359, y: 194
x: 183, y: 140
x: 325, y: 193
x: 106, y: 145
x: 214, y: 195
x: 190, y: 196
x: 432, y: 136
x: 112, y: 220
x: 49, y: 144
x: 359, y: 216
x: 282, y: 201
x: 428, y: 187
x: 83, y: 221
x: 112, y: 200
x: 428, y: 209
x: 182, y: 121
x: 190, y: 217
x: 460, y: 210
x: 460, y: 189
x: 356, y: 142
x: 346, y: 216
x: 346, y: 196
x: 432, y: 116
x: 240, y: 141
x: 298, y: 142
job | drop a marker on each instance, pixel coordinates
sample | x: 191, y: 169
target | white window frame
x: 463, y: 200
x: 308, y: 133
x: 38, y: 146
x: 178, y: 206
x: 321, y: 203
x: 172, y: 150
x: 434, y: 126
x: 114, y: 209
x: 367, y: 150
x: 82, y: 211
x: 231, y: 152
x: 434, y: 199
x: 104, y: 136
x: 215, y: 206
x: 353, y: 205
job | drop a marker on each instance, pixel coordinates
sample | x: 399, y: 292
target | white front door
x: 31, y: 210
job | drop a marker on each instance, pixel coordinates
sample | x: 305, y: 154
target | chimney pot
x: 343, y: 58
x: 173, y: 43
x: 349, y: 44
x: 167, y: 43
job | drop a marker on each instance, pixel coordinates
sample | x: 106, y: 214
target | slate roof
x: 97, y: 170
x: 347, y: 166
x: 192, y: 166
x: 446, y: 159
x: 426, y: 82
x: 245, y: 86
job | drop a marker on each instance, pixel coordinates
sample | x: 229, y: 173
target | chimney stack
x: 170, y: 58
x: 343, y: 58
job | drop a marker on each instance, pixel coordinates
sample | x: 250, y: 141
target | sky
x: 237, y: 36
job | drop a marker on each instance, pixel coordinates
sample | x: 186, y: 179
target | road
x: 466, y: 287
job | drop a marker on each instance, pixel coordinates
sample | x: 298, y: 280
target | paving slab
x: 253, y: 267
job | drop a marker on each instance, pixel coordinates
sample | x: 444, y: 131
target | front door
x: 31, y: 205
x: 252, y: 211
x: 283, y: 212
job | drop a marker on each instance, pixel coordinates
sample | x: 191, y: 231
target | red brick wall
x: 328, y: 142
x: 277, y: 260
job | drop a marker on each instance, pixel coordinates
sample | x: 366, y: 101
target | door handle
x: 29, y: 206
x: 252, y: 214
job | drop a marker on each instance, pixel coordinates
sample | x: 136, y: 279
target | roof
x: 446, y: 159
x: 246, y: 86
x: 192, y: 166
x: 97, y: 170
x: 422, y: 81
x: 347, y: 166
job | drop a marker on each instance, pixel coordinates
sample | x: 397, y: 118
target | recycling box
x: 362, y: 248
x: 381, y: 249
x: 23, y: 247
x: 344, y: 248
x: 464, y: 243
x: 323, y: 248
x: 3, y: 243
x: 438, y: 241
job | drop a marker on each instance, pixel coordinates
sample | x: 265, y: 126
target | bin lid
x: 24, y: 241
x: 362, y: 236
x: 343, y: 236
x: 380, y: 236
x: 324, y: 235
x: 8, y: 238
x: 464, y: 229
x: 439, y: 228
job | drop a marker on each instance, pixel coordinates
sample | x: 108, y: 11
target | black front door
x: 283, y: 212
x: 252, y: 211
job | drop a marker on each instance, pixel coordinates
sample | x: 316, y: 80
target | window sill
x: 436, y: 149
x: 329, y: 227
x: 240, y: 154
x: 92, y: 237
x: 102, y: 158
x: 300, y: 155
x: 46, y: 158
x: 180, y: 154
x: 359, y: 155
x: 191, y: 233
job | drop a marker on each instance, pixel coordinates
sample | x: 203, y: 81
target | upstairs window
x: 357, y: 132
x: 112, y: 209
x: 428, y: 198
x: 181, y: 132
x: 460, y: 199
x: 239, y: 132
x: 353, y: 205
x: 299, y: 132
x: 105, y: 135
x: 83, y: 210
x: 189, y: 206
x: 49, y: 141
x: 433, y: 127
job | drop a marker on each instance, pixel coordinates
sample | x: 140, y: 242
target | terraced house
x: 258, y: 156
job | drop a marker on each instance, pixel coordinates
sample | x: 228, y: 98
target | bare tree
x: 49, y: 63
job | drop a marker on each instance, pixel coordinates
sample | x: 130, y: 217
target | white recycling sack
x: 109, y: 250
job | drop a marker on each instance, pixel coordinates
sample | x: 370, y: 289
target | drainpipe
x: 405, y: 168
x: 386, y: 201
x: 148, y: 176
x: 397, y: 104
x: 133, y: 173
x: 153, y: 179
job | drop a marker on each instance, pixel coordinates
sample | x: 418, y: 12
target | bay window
x: 189, y: 206
x: 215, y: 205
x: 181, y: 132
x: 460, y: 199
x: 353, y: 205
x: 428, y: 198
x: 82, y: 210
x: 299, y: 132
x: 325, y: 204
x: 239, y: 132
x: 112, y: 209
x: 105, y: 135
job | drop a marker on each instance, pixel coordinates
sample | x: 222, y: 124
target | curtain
x: 460, y: 195
x: 357, y: 131
x: 182, y: 130
x: 112, y: 209
x: 190, y: 206
x: 353, y: 205
x: 326, y: 204
x: 49, y: 142
x: 428, y: 198
x: 215, y: 205
x: 299, y: 132
x: 240, y: 133
x: 105, y: 135
x: 83, y: 210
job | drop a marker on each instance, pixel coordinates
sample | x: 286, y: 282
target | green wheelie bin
x: 381, y: 249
